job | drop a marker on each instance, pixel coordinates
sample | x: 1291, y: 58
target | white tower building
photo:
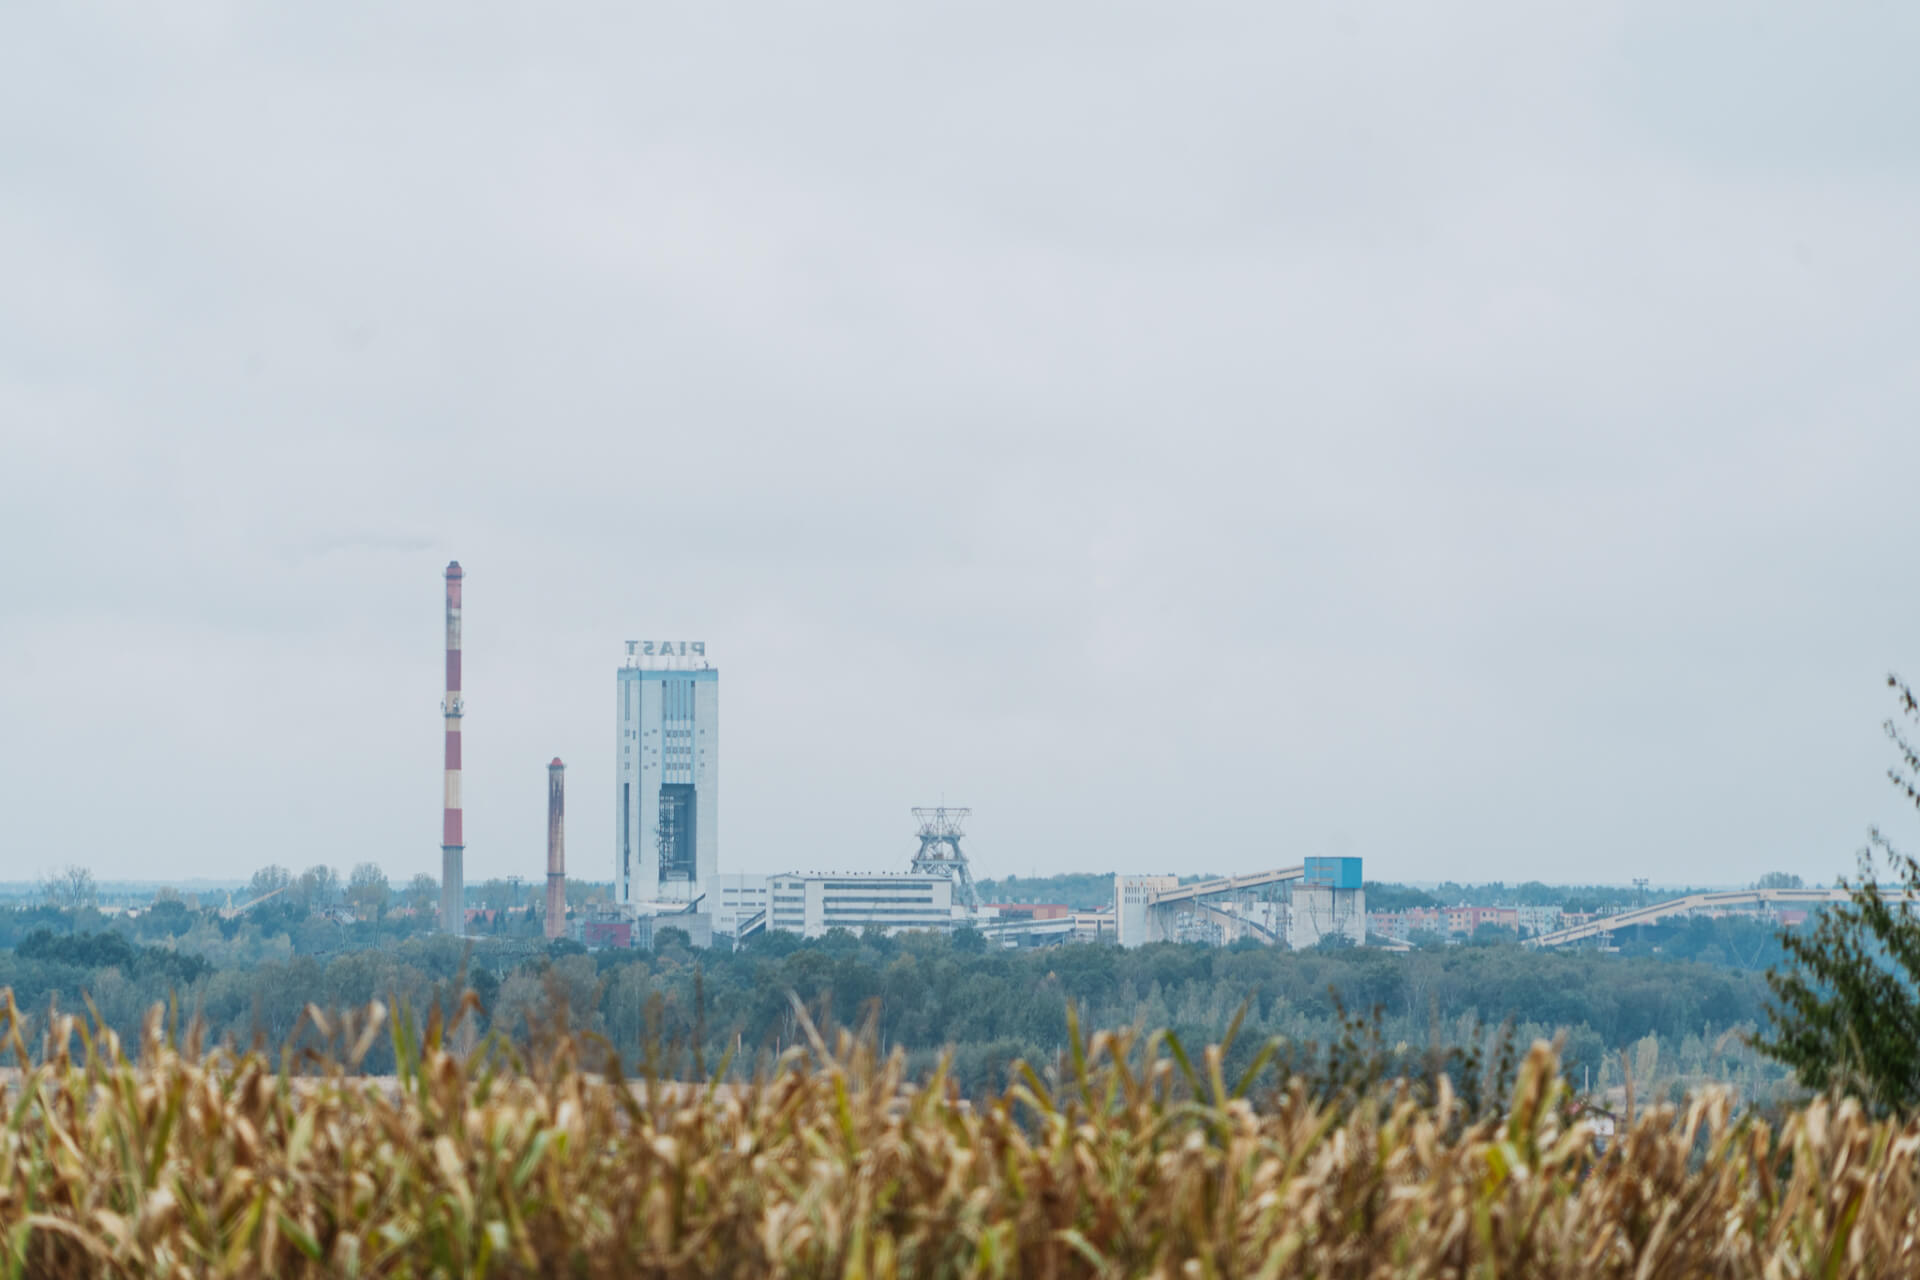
x: 667, y: 777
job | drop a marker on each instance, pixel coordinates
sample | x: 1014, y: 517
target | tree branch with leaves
x: 1846, y: 1006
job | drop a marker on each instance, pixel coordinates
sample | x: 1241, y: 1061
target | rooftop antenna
x: 940, y: 853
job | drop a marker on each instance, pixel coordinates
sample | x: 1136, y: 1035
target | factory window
x: 869, y: 913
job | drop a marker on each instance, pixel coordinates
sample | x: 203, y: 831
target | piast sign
x: 666, y: 648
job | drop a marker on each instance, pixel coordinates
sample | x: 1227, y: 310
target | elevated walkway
x: 1296, y: 906
x: 1709, y: 904
x: 1222, y: 885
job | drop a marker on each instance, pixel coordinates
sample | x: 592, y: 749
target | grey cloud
x: 1192, y: 436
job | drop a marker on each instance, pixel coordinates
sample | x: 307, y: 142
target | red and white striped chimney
x: 556, y: 849
x: 453, y: 844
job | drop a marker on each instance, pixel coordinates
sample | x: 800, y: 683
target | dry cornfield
x: 1139, y: 1161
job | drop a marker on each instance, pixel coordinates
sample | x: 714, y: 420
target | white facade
x: 1316, y: 912
x: 1093, y: 926
x: 735, y: 899
x: 811, y: 903
x: 1323, y: 899
x: 1533, y: 921
x: 1130, y: 894
x: 667, y: 779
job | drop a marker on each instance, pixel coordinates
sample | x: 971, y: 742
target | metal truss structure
x: 940, y: 853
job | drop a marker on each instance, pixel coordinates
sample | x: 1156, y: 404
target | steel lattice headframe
x: 940, y: 853
x: 942, y: 823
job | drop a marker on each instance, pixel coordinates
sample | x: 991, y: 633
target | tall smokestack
x: 556, y: 849
x: 453, y: 844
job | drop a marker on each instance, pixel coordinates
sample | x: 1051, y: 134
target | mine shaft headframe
x: 940, y: 853
x: 941, y: 823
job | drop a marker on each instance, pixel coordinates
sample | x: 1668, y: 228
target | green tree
x: 319, y: 885
x: 1845, y: 1013
x: 1081, y: 890
x: 268, y: 880
x: 367, y: 890
x: 70, y: 889
x: 1382, y: 896
x: 423, y: 892
x: 581, y: 892
x: 1779, y: 880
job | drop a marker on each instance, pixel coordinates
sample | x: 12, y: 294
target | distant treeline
x: 927, y: 994
x: 1083, y: 891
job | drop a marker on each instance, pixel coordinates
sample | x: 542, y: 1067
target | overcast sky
x: 1477, y: 438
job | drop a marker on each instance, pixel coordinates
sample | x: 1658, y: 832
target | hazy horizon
x: 33, y: 888
x: 1470, y: 439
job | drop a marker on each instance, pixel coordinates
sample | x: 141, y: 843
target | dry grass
x: 1140, y: 1162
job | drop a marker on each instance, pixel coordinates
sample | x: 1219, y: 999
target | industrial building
x: 734, y: 900
x: 1328, y: 900
x: 667, y: 853
x: 1131, y: 896
x: 1297, y: 907
x: 667, y: 776
x: 936, y: 892
x: 809, y: 904
x: 667, y: 848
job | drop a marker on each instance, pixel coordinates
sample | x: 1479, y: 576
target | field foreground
x: 1139, y: 1160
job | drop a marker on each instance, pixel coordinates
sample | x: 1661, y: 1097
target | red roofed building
x: 1031, y: 910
